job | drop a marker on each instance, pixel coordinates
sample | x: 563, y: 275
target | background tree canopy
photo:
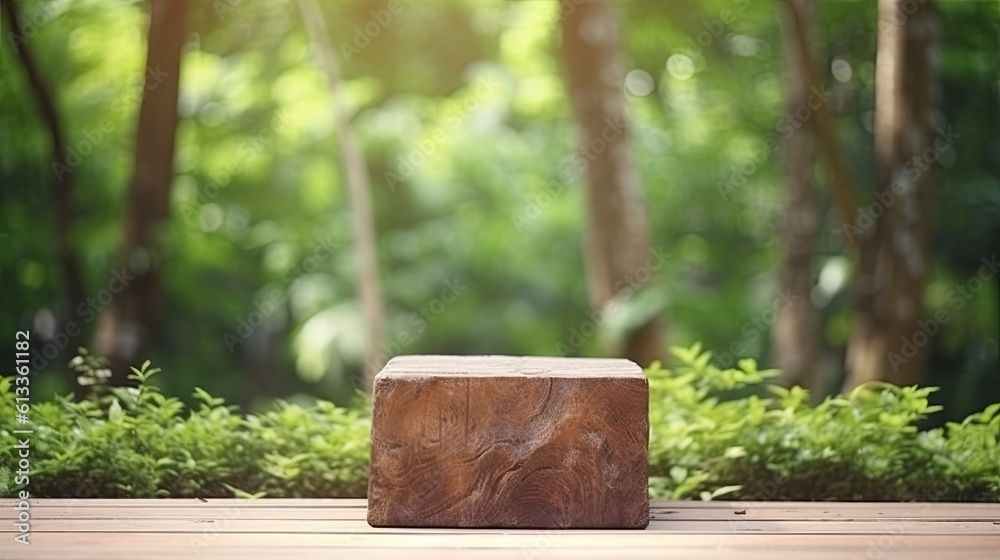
x: 241, y: 257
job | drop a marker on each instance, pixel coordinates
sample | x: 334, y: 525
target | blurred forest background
x: 269, y: 199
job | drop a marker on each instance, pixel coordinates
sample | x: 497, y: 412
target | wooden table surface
x: 336, y: 529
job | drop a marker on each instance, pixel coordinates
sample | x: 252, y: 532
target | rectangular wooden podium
x: 518, y: 442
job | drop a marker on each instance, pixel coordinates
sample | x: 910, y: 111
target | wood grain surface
x: 493, y: 441
x: 303, y: 529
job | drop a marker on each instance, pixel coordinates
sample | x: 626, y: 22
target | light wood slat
x: 898, y: 509
x: 352, y: 526
x: 271, y: 552
x: 884, y: 507
x: 519, y: 540
x: 842, y: 512
x: 354, y: 509
x: 324, y: 509
x: 258, y: 529
x: 7, y: 503
x: 86, y: 512
x: 817, y: 507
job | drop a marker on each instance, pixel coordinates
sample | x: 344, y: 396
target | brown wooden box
x: 498, y: 441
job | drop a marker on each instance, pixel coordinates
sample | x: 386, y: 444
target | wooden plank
x: 356, y: 526
x: 336, y: 509
x: 841, y: 513
x: 8, y: 503
x: 87, y: 512
x: 519, y: 539
x: 505, y: 441
x: 258, y: 529
x: 298, y: 503
x: 820, y: 505
x: 269, y: 552
x: 516, y: 367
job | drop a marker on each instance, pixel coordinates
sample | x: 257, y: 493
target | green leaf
x: 115, y: 413
x: 735, y: 452
x: 748, y: 365
x: 702, y: 361
x: 722, y: 491
x: 678, y: 473
x: 240, y: 494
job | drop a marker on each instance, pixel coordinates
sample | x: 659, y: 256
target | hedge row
x: 714, y: 432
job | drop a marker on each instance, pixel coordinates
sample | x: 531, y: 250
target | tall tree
x: 795, y: 334
x: 62, y: 180
x: 359, y: 187
x: 889, y: 300
x: 617, y: 231
x: 126, y: 326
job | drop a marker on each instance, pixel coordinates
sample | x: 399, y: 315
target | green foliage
x: 771, y: 444
x: 258, y: 184
x: 134, y: 442
x: 714, y: 433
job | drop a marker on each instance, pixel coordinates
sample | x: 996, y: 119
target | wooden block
x: 506, y: 442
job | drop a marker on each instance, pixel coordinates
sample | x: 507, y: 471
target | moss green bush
x: 136, y: 443
x: 772, y: 445
x: 713, y: 433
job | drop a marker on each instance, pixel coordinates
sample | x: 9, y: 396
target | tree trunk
x: 889, y: 302
x: 617, y: 233
x: 126, y: 326
x: 359, y: 187
x: 795, y: 336
x: 62, y: 181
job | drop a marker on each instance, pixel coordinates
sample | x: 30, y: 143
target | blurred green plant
x: 771, y: 444
x: 714, y: 433
x: 257, y: 185
x: 134, y: 442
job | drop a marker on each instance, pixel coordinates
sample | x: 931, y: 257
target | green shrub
x: 136, y: 443
x: 713, y: 433
x: 863, y: 446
